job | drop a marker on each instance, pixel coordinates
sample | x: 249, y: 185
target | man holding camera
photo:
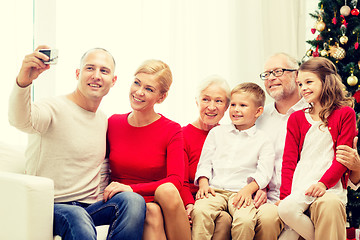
x: 67, y: 143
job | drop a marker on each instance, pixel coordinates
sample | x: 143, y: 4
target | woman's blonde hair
x: 160, y: 69
x: 333, y: 94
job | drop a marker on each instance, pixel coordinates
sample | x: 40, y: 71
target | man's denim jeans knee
x: 124, y: 212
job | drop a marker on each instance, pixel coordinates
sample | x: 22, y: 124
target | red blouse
x: 145, y: 157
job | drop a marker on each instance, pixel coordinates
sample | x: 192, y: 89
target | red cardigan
x: 342, y: 127
x: 145, y: 157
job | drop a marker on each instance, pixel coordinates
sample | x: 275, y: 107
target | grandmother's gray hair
x: 214, y: 80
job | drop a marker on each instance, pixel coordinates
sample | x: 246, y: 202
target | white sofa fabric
x: 26, y: 202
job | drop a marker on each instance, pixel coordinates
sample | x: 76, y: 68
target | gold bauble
x: 320, y: 26
x: 352, y: 80
x: 344, y: 39
x: 345, y: 10
x: 323, y: 53
x: 359, y: 64
x: 337, y: 52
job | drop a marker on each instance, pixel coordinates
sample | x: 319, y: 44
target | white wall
x: 16, y: 24
x: 197, y: 38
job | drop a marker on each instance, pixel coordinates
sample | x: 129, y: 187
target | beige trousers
x: 328, y: 215
x: 206, y: 210
x: 268, y: 225
x: 222, y: 226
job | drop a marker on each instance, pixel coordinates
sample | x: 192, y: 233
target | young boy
x: 236, y: 160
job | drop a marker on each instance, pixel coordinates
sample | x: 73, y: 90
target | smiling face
x: 145, y: 92
x: 96, y: 75
x: 212, y: 104
x: 281, y: 87
x: 243, y: 110
x: 310, y: 87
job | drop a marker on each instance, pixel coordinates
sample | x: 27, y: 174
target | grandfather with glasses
x: 328, y: 214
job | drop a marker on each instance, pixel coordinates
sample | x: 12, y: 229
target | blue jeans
x: 124, y: 212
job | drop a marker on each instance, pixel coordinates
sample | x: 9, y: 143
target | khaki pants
x: 268, y: 225
x: 222, y: 226
x: 206, y: 210
x: 328, y: 215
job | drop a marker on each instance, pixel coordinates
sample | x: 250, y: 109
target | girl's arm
x: 291, y: 154
x: 346, y: 124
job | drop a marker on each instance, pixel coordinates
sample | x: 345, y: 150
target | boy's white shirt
x: 231, y: 159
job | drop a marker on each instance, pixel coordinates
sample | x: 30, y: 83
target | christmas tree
x: 336, y: 31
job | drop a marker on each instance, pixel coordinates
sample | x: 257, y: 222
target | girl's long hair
x: 334, y: 94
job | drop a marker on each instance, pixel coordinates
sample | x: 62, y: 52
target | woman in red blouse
x: 146, y: 154
x: 212, y: 99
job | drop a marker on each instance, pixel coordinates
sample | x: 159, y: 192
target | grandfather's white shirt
x: 231, y: 159
x: 274, y: 124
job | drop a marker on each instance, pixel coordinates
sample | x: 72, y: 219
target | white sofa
x: 26, y: 202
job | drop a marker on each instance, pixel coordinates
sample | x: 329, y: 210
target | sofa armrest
x: 26, y: 207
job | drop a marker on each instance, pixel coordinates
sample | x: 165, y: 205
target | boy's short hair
x: 253, y: 89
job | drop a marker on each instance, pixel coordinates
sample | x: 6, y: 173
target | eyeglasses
x: 276, y: 72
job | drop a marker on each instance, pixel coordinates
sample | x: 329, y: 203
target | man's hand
x: 204, y: 189
x: 316, y: 190
x: 348, y: 156
x: 114, y: 188
x: 32, y: 66
x: 260, y: 197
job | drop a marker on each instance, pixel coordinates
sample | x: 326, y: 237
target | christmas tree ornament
x: 337, y: 52
x: 313, y: 30
x: 334, y: 20
x: 316, y: 52
x: 343, y: 20
x: 359, y: 64
x: 355, y: 11
x: 344, y: 39
x: 324, y: 53
x: 320, y: 25
x: 309, y: 52
x: 356, y: 45
x: 352, y: 80
x: 345, y: 10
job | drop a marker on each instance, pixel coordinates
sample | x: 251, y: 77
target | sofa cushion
x: 12, y: 158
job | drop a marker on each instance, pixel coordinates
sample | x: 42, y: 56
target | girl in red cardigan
x: 309, y: 168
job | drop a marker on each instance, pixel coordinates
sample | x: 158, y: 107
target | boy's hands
x: 316, y: 190
x: 244, y: 197
x: 260, y: 197
x: 204, y: 188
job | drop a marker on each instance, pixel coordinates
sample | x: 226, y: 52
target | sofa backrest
x: 12, y: 158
